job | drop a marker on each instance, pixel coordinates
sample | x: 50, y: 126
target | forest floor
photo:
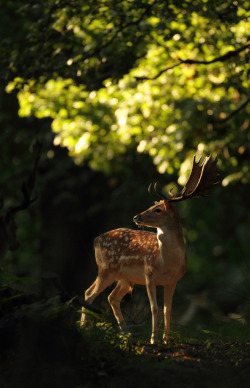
x: 179, y: 365
x: 41, y: 346
x: 46, y: 354
x: 202, y: 364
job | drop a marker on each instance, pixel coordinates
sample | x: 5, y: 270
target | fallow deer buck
x: 8, y: 227
x: 140, y: 257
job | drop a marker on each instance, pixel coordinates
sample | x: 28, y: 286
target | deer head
x: 163, y: 213
x: 160, y: 215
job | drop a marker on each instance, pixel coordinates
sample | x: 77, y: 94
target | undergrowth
x: 104, y: 336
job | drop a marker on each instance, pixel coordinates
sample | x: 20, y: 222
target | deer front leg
x: 151, y: 289
x: 168, y: 296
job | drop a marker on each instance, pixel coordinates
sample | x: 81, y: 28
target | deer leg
x: 103, y: 280
x: 115, y: 298
x: 168, y: 296
x: 89, y: 291
x: 151, y: 290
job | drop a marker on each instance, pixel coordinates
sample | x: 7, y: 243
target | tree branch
x: 235, y: 112
x: 221, y: 58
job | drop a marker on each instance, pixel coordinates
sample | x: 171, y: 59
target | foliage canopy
x: 163, y: 78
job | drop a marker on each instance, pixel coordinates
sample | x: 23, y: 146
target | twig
x: 235, y: 112
x: 159, y: 74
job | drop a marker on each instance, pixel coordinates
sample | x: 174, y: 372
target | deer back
x: 126, y: 247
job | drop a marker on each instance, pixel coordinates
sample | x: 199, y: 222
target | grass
x: 219, y: 332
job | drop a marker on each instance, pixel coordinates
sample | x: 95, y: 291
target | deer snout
x: 137, y: 219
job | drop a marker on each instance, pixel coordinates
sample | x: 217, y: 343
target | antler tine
x: 170, y: 192
x: 161, y: 196
x: 157, y: 194
x: 199, y: 159
x: 152, y: 193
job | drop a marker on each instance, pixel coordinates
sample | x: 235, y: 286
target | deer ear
x: 167, y: 206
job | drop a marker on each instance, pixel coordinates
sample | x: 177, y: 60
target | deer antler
x: 201, y: 178
x: 157, y: 194
x: 27, y: 187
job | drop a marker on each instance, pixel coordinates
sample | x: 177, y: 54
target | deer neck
x: 171, y: 242
x: 169, y: 236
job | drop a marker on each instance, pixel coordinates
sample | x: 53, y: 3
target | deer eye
x: 158, y: 210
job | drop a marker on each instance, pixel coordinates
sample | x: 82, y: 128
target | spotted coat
x: 126, y: 247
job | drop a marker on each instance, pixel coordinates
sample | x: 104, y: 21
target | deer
x: 142, y: 257
x: 8, y: 226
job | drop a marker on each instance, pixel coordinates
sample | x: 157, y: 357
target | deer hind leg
x: 103, y: 280
x: 121, y: 289
x: 89, y: 291
x: 168, y: 296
